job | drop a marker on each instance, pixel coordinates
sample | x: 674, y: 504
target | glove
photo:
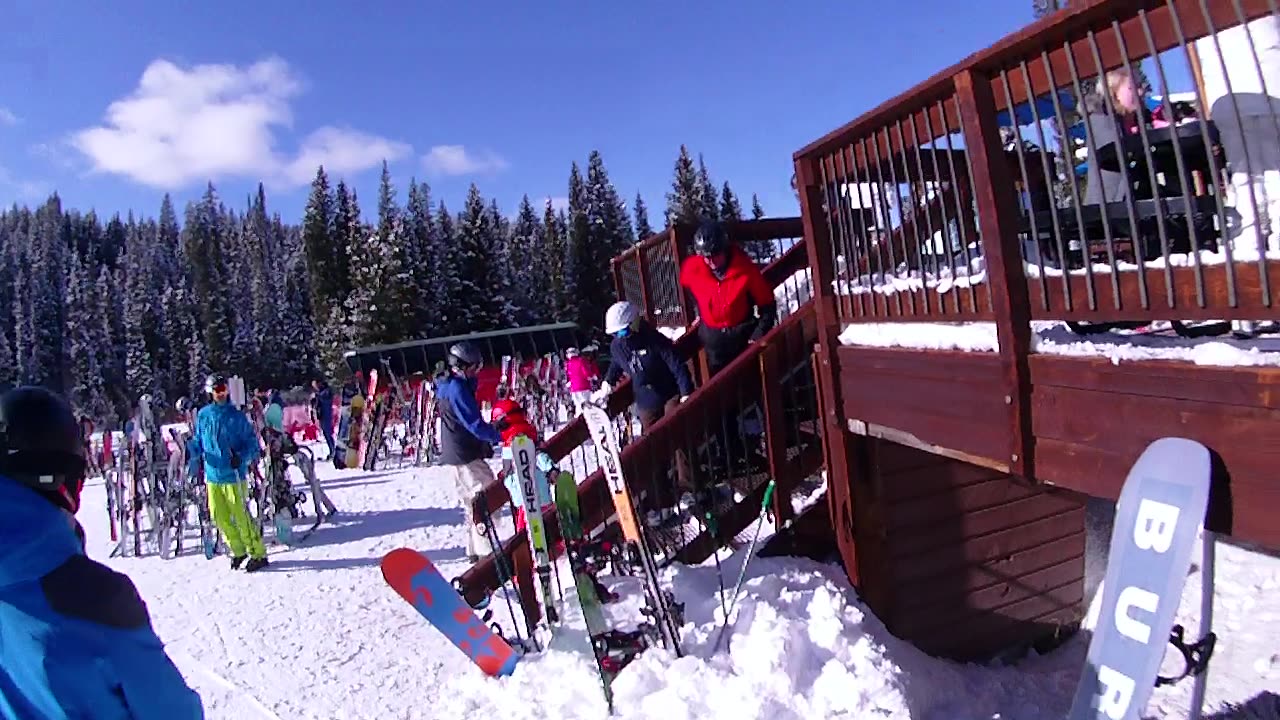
x: 602, y: 394
x: 683, y: 398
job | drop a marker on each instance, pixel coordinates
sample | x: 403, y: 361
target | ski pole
x: 742, y: 573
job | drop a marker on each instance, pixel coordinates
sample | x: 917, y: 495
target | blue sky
x: 113, y: 103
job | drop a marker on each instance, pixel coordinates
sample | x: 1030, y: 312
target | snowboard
x: 415, y: 578
x: 1160, y: 510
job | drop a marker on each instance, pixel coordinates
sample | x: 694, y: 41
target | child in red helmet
x: 510, y: 420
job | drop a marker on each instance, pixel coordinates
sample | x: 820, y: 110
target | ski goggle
x: 623, y: 332
x: 218, y: 388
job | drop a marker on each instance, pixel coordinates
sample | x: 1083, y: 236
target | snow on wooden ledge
x: 1055, y: 338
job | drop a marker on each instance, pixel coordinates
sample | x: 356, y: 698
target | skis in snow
x: 662, y: 608
x: 1161, y: 508
x: 522, y: 460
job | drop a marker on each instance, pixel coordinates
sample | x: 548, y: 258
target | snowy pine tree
x: 481, y: 301
x: 684, y: 202
x: 708, y: 198
x: 757, y: 212
x: 643, y: 229
x: 609, y: 235
x: 555, y: 269
x: 419, y: 232
x: 448, y: 289
x: 526, y: 267
x: 139, y: 304
x: 730, y: 208
x: 87, y: 391
x: 205, y: 241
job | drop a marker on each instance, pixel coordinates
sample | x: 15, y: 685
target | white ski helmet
x: 619, y: 317
x: 571, y: 353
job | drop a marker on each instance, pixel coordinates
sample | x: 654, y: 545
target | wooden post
x: 998, y: 225
x: 836, y: 445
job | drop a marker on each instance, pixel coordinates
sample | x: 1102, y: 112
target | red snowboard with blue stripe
x: 416, y: 579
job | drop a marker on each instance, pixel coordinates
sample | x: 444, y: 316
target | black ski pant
x: 661, y: 493
x: 723, y: 346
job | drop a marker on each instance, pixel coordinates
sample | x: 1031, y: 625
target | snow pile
x: 803, y: 647
x: 1055, y: 338
x: 934, y: 275
x: 320, y: 635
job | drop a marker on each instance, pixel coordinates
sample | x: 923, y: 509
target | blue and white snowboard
x: 1160, y: 511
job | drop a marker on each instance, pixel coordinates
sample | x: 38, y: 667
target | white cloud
x: 7, y: 117
x: 558, y: 202
x: 457, y: 160
x: 187, y: 125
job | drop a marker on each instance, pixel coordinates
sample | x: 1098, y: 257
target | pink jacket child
x: 581, y: 371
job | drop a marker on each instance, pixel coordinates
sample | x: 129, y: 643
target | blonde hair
x: 1110, y: 85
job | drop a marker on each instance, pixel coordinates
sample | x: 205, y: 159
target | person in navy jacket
x: 75, y: 638
x: 660, y: 381
x: 466, y: 440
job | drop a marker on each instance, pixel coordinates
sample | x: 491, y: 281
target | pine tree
x: 643, y: 230
x: 709, y: 208
x: 684, y: 202
x: 419, y: 232
x: 730, y: 208
x: 449, y: 297
x: 757, y: 212
x: 555, y: 252
x: 579, y: 256
x: 610, y: 234
x: 205, y: 240
x: 526, y: 267
x: 87, y: 392
x: 326, y: 264
x: 139, y: 363
x: 481, y: 303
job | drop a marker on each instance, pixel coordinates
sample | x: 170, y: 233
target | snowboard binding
x: 1195, y: 656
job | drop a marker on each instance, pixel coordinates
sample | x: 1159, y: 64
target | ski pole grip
x: 768, y: 495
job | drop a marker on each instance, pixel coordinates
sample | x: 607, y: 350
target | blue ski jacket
x: 465, y: 437
x: 323, y: 403
x: 75, y: 639
x: 224, y: 438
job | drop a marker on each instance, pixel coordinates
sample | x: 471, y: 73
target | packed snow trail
x: 320, y: 635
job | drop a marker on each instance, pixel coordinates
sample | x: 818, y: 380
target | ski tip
x: 403, y: 561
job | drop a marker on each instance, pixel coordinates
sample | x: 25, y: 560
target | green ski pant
x: 226, y: 505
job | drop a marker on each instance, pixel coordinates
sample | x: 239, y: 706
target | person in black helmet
x: 736, y: 305
x: 466, y: 440
x: 75, y: 638
x: 728, y: 285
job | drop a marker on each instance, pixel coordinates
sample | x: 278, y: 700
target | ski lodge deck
x: 956, y: 478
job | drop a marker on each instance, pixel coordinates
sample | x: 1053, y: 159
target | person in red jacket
x: 510, y: 419
x: 735, y: 303
x: 736, y: 306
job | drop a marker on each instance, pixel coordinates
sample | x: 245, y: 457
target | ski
x: 522, y: 455
x: 662, y: 608
x: 415, y: 578
x: 1161, y: 508
x: 605, y: 641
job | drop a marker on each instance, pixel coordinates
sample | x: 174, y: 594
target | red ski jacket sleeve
x: 727, y: 302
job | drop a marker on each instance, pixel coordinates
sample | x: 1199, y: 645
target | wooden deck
x: 957, y: 479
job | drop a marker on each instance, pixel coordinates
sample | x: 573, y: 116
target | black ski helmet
x: 214, y: 380
x: 41, y: 444
x: 710, y: 239
x: 464, y: 354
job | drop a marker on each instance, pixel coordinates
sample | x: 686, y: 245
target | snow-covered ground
x: 319, y: 635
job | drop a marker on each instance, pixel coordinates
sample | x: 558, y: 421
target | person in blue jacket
x: 224, y: 438
x: 75, y: 638
x: 466, y: 440
x: 660, y: 381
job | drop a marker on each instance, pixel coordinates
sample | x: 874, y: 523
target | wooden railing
x: 1020, y: 219
x: 773, y: 379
